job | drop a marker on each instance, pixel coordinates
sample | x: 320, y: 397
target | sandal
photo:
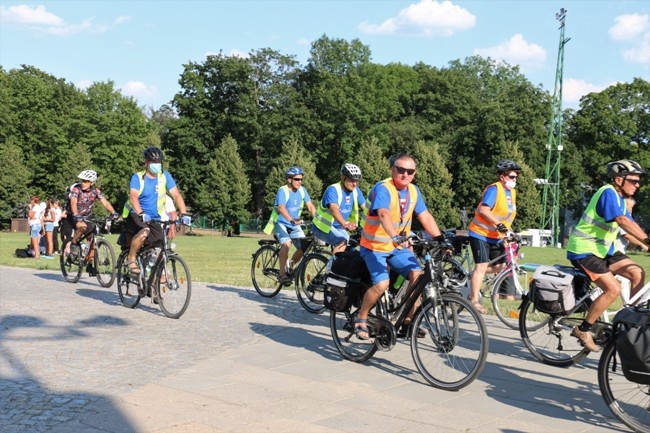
x: 480, y: 308
x: 133, y: 270
x: 359, y: 331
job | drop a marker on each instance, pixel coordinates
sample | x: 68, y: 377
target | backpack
x: 347, y: 281
x: 22, y: 253
x: 632, y: 339
x: 551, y: 290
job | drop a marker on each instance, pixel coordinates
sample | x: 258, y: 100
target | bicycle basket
x: 552, y: 290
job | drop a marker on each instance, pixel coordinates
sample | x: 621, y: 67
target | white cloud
x: 38, y: 20
x: 574, y: 89
x: 629, y: 27
x: 121, y: 20
x: 635, y: 30
x: 426, y: 18
x: 84, y: 84
x: 516, y: 51
x: 303, y: 42
x: 139, y: 90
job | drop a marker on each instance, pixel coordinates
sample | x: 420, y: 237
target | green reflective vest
x: 162, y: 193
x: 275, y: 215
x: 323, y: 218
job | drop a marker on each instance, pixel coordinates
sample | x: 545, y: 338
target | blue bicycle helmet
x: 293, y: 171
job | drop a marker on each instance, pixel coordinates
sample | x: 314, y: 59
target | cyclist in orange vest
x: 384, y: 240
x: 493, y: 217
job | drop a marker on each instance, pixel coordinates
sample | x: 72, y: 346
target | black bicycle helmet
x: 293, y: 171
x: 152, y: 153
x: 506, y: 165
x: 351, y: 171
x: 624, y: 167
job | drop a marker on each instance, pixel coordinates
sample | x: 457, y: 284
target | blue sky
x: 141, y: 45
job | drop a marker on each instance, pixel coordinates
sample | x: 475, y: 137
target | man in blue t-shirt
x: 340, y: 209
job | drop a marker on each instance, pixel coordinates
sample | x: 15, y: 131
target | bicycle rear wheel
x: 548, y: 336
x: 310, y: 282
x: 265, y: 271
x: 507, y: 295
x: 175, y: 287
x: 454, y: 351
x: 70, y: 267
x: 345, y: 340
x: 627, y: 400
x: 127, y: 287
x: 105, y: 263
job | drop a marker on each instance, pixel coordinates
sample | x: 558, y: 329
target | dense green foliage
x: 238, y: 122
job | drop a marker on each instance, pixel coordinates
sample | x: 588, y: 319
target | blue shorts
x: 49, y: 227
x: 284, y: 236
x: 401, y: 260
x: 334, y: 237
x: 35, y: 230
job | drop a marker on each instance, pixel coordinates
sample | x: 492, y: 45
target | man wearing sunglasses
x: 285, y: 219
x: 384, y: 240
x: 593, y: 248
x: 493, y: 218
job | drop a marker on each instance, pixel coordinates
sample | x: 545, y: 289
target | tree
x: 373, y: 166
x: 15, y: 181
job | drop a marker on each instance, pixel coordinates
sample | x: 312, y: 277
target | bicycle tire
x: 310, y: 282
x: 128, y: 288
x: 548, y: 336
x: 507, y: 310
x: 70, y: 269
x: 265, y: 271
x: 104, y: 263
x: 174, y: 295
x: 349, y: 346
x: 627, y: 400
x: 455, y: 356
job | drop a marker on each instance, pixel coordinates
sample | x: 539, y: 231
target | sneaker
x: 586, y: 340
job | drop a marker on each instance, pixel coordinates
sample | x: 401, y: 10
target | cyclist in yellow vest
x: 592, y: 246
x: 384, y: 240
x: 339, y: 210
x: 493, y: 218
x: 147, y: 192
x: 285, y: 219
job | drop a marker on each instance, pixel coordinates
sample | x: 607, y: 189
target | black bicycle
x: 92, y: 252
x: 164, y: 276
x: 448, y: 338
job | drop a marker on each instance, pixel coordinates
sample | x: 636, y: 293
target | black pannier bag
x: 632, y: 339
x: 551, y: 290
x: 347, y: 281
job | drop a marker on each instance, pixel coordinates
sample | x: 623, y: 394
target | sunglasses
x: 297, y: 179
x: 635, y: 182
x: 512, y: 176
x: 402, y: 170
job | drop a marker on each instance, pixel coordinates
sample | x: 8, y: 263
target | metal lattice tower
x: 551, y: 196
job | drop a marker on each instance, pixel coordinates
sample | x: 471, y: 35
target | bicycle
x: 311, y: 274
x: 168, y: 281
x: 548, y: 336
x: 628, y: 401
x: 506, y: 288
x: 265, y: 268
x: 455, y: 348
x: 95, y: 253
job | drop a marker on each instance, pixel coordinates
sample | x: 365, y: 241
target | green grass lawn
x: 213, y: 258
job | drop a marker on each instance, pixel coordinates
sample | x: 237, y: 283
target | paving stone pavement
x: 73, y: 359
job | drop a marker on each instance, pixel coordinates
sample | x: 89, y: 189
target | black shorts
x: 484, y: 252
x: 133, y: 224
x: 593, y: 265
x: 68, y: 224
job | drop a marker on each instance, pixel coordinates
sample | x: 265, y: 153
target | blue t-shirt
x: 610, y: 205
x: 489, y: 199
x: 293, y: 204
x: 347, y: 201
x: 149, y: 196
x: 381, y: 200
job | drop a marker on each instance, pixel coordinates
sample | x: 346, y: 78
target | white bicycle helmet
x: 351, y: 171
x: 90, y: 175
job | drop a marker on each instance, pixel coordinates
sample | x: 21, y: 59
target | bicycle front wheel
x: 548, y: 336
x: 175, y: 287
x: 127, y: 287
x: 265, y: 271
x: 627, y: 400
x: 310, y: 282
x: 105, y: 263
x: 454, y: 351
x: 507, y: 294
x: 70, y: 267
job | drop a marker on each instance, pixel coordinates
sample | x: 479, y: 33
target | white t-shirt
x: 169, y: 208
x: 57, y: 215
x: 39, y: 210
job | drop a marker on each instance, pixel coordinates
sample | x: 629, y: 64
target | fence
x: 254, y: 225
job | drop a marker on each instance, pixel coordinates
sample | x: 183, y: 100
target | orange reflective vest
x: 374, y: 237
x: 481, y: 226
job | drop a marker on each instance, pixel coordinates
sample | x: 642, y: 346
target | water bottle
x: 153, y: 255
x: 84, y: 249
